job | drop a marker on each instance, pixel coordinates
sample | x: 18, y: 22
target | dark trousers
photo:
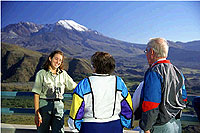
x: 105, y: 127
x: 52, y: 113
x: 196, y: 104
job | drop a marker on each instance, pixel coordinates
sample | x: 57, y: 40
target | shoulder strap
x: 115, y: 95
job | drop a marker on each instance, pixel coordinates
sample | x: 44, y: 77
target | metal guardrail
x: 26, y: 95
x: 14, y: 94
x: 67, y: 96
x: 23, y: 111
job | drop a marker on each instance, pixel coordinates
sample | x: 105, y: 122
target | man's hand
x: 38, y: 119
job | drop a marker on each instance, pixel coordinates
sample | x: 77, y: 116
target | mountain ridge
x: 21, y: 65
x: 82, y: 44
x: 72, y: 42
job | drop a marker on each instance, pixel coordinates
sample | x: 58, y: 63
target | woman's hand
x: 148, y: 131
x: 38, y: 119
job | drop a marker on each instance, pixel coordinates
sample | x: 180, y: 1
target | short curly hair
x: 103, y: 62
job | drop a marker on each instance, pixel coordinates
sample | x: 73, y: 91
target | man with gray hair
x: 163, y: 95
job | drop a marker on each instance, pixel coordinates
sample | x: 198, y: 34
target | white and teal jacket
x: 101, y: 98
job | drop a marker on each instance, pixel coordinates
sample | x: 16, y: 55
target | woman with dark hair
x: 49, y: 87
x: 101, y: 103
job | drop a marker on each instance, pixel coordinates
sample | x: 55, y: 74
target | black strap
x: 115, y: 95
x: 178, y: 116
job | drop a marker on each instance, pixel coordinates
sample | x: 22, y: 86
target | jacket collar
x: 163, y: 60
x: 97, y: 74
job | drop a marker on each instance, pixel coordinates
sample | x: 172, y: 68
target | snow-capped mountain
x: 76, y: 40
x: 67, y: 24
x: 70, y: 24
x: 72, y: 38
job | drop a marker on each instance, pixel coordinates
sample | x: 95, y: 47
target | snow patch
x: 70, y: 24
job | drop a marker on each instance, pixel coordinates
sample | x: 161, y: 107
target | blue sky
x: 131, y: 21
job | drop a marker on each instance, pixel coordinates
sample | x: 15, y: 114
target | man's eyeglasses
x: 147, y: 49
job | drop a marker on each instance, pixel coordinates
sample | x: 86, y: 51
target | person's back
x: 103, y: 89
x: 101, y: 102
x: 163, y: 93
x: 172, y: 100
